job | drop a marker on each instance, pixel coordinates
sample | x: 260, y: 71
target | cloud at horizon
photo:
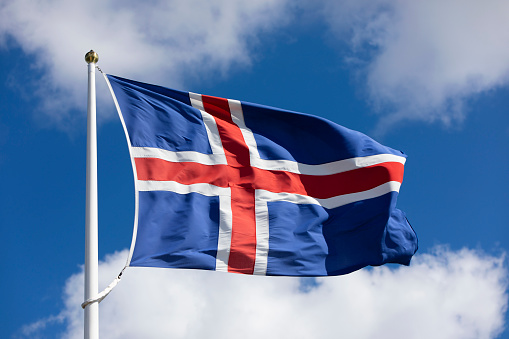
x: 443, y: 294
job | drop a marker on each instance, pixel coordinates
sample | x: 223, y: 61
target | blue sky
x: 429, y: 78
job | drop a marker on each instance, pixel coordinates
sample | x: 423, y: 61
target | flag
x: 238, y: 187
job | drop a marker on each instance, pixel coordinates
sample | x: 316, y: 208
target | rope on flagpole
x: 100, y: 296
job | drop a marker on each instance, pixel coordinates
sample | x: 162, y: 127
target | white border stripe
x: 328, y: 168
x: 341, y: 200
x: 238, y: 118
x: 262, y: 236
x: 172, y: 186
x: 225, y: 232
x: 210, y: 125
x: 183, y: 156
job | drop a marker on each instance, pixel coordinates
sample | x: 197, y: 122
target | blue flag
x: 238, y: 187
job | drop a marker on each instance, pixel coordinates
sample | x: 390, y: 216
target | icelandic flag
x: 238, y: 187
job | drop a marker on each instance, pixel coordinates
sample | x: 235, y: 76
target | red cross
x: 243, y: 180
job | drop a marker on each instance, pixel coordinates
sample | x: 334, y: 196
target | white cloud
x: 34, y: 329
x: 422, y: 60
x: 158, y: 41
x: 445, y: 294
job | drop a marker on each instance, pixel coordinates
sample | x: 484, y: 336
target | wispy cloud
x: 443, y: 294
x: 35, y: 329
x: 423, y: 60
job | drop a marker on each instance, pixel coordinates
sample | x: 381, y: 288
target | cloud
x: 423, y: 60
x: 418, y: 60
x: 34, y: 329
x: 443, y: 294
x: 158, y: 41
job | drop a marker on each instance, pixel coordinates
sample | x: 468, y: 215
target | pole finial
x: 91, y: 57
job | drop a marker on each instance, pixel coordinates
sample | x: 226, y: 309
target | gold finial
x: 91, y: 57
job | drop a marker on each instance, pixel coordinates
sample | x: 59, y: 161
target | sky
x: 430, y: 78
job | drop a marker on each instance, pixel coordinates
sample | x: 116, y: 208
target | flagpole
x: 91, y: 328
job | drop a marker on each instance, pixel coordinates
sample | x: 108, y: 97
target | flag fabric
x: 238, y: 187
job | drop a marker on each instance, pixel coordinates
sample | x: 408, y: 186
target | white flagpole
x: 91, y: 223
